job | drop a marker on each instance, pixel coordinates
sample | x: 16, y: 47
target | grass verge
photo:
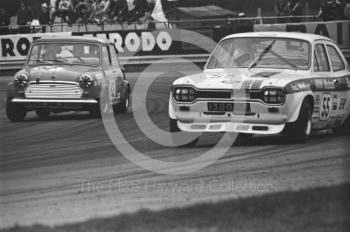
x: 318, y: 209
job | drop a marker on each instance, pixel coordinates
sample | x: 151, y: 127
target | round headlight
x: 86, y: 81
x: 21, y: 80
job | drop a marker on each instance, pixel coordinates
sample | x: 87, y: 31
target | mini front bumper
x: 57, y: 104
x: 77, y: 101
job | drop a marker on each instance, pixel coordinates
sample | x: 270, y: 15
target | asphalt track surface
x: 45, y: 166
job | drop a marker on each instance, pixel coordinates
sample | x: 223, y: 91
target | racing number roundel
x: 326, y: 107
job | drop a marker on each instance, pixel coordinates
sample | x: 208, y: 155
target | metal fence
x: 182, y: 24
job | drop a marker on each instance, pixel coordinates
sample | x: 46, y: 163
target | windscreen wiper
x: 266, y: 50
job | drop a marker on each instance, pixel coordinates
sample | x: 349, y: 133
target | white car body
x: 327, y: 91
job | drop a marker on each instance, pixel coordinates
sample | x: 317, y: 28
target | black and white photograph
x: 174, y: 115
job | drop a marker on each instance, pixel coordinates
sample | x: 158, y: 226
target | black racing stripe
x: 265, y: 74
x: 256, y: 84
x: 246, y: 84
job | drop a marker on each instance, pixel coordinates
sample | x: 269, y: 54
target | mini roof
x: 74, y: 39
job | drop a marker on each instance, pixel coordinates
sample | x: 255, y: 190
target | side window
x: 114, y: 57
x: 336, y: 60
x: 105, y: 57
x: 321, y: 58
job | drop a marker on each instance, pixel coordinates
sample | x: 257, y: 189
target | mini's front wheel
x: 15, y: 112
x: 42, y: 113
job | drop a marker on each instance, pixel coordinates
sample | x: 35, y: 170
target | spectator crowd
x: 84, y: 12
x: 139, y: 11
x: 98, y: 11
x: 329, y: 10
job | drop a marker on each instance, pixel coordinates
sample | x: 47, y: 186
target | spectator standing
x: 56, y: 11
x: 136, y: 10
x: 156, y: 12
x: 44, y: 18
x: 24, y: 18
x: 280, y: 10
x: 330, y: 10
x: 346, y: 9
x: 81, y: 11
x: 295, y: 9
x: 100, y: 5
x: 104, y: 13
x: 4, y: 22
x: 120, y: 11
x: 64, y: 9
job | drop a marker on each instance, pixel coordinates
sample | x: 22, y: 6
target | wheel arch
x: 307, y: 96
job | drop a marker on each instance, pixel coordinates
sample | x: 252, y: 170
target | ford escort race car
x: 265, y: 83
x: 65, y: 74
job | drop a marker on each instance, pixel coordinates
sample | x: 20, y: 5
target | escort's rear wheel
x: 300, y: 130
x: 175, y: 128
x: 344, y: 128
x: 15, y: 112
x: 42, y: 113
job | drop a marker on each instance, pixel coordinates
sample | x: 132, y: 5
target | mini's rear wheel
x: 300, y: 130
x: 174, y: 128
x: 123, y: 106
x: 42, y: 113
x: 15, y: 112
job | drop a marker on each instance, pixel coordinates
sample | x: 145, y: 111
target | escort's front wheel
x: 175, y: 128
x: 15, y: 112
x: 243, y: 138
x: 300, y: 130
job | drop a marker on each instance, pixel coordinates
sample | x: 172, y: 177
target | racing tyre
x: 42, y: 113
x: 123, y: 106
x: 175, y: 128
x: 95, y: 112
x: 243, y: 138
x: 343, y: 129
x: 300, y: 130
x: 101, y: 107
x: 15, y: 112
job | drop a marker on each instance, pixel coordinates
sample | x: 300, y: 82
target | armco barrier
x: 134, y: 60
x: 146, y: 46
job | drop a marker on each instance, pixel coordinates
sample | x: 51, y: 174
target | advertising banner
x: 15, y: 47
x: 339, y: 31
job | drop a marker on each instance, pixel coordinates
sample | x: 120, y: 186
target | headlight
x: 86, y: 81
x: 184, y: 94
x: 21, y: 80
x: 273, y: 96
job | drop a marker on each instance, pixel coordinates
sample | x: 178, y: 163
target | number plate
x: 220, y: 106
